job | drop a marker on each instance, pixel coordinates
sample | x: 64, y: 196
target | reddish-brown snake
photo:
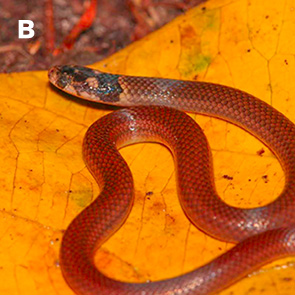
x: 264, y: 233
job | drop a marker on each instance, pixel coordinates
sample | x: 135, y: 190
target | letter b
x: 25, y: 26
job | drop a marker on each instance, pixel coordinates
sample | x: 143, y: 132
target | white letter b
x: 28, y: 28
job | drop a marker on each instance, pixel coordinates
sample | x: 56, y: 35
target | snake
x: 155, y: 111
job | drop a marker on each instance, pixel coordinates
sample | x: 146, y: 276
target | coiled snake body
x: 264, y: 233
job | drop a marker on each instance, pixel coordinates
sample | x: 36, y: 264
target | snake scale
x: 262, y: 234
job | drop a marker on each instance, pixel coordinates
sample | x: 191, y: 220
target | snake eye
x: 79, y: 77
x: 63, y: 81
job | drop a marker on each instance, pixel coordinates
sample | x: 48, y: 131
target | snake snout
x: 53, y: 74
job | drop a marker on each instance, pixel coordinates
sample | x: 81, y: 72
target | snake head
x: 86, y: 83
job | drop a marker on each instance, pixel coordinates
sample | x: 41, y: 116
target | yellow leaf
x: 245, y: 44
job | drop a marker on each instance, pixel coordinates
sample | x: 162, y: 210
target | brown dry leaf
x: 245, y: 44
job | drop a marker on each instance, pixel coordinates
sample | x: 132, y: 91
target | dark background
x: 117, y: 23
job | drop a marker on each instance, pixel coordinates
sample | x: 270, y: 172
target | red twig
x: 84, y: 23
x: 49, y: 27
